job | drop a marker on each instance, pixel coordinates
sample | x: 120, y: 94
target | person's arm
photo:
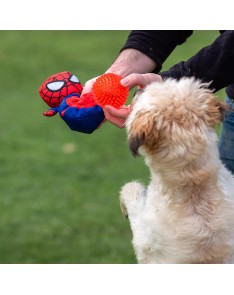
x: 156, y: 45
x: 131, y: 61
x: 213, y: 63
x: 144, y: 52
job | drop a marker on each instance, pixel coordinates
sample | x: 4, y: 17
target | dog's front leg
x: 132, y: 199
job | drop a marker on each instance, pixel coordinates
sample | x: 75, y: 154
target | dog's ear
x: 143, y: 132
x: 216, y: 111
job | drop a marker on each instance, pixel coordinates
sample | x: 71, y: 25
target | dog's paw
x: 131, y: 197
x: 123, y: 209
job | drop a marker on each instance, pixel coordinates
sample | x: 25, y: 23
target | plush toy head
x: 58, y: 86
x: 62, y: 92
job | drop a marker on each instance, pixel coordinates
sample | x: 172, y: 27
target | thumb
x: 88, y: 86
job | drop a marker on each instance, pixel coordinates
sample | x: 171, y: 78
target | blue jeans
x: 226, y: 140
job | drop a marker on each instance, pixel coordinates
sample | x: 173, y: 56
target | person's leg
x: 226, y: 140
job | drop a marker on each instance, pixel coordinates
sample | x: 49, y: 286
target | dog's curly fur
x: 186, y: 214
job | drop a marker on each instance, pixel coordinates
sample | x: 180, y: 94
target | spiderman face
x: 59, y: 85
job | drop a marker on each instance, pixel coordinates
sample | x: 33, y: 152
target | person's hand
x: 88, y: 86
x: 119, y: 116
x: 140, y: 80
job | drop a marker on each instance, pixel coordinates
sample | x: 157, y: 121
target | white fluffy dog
x: 186, y: 214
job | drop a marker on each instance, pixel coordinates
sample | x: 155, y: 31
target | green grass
x: 58, y: 188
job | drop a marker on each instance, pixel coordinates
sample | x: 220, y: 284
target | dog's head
x: 173, y: 119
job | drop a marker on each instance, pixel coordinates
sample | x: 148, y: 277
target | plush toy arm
x: 51, y: 112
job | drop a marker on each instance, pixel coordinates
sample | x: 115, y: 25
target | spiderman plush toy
x: 62, y: 92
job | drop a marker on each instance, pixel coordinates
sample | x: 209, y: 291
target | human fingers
x: 117, y: 116
x: 88, y: 86
x: 121, y: 113
x: 140, y: 80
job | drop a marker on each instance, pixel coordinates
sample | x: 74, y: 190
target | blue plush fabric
x: 84, y: 119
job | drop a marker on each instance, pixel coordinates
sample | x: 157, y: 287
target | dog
x: 186, y: 214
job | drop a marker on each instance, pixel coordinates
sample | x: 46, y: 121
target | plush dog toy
x: 62, y: 92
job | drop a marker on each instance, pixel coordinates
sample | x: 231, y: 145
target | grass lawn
x: 59, y: 188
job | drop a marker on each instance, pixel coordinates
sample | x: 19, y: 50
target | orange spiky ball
x: 107, y: 90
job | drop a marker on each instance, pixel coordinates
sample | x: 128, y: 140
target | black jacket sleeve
x: 156, y: 44
x: 213, y: 63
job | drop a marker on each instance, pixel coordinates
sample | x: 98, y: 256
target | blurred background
x: 59, y: 189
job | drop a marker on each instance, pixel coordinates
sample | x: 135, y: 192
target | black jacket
x: 212, y: 63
